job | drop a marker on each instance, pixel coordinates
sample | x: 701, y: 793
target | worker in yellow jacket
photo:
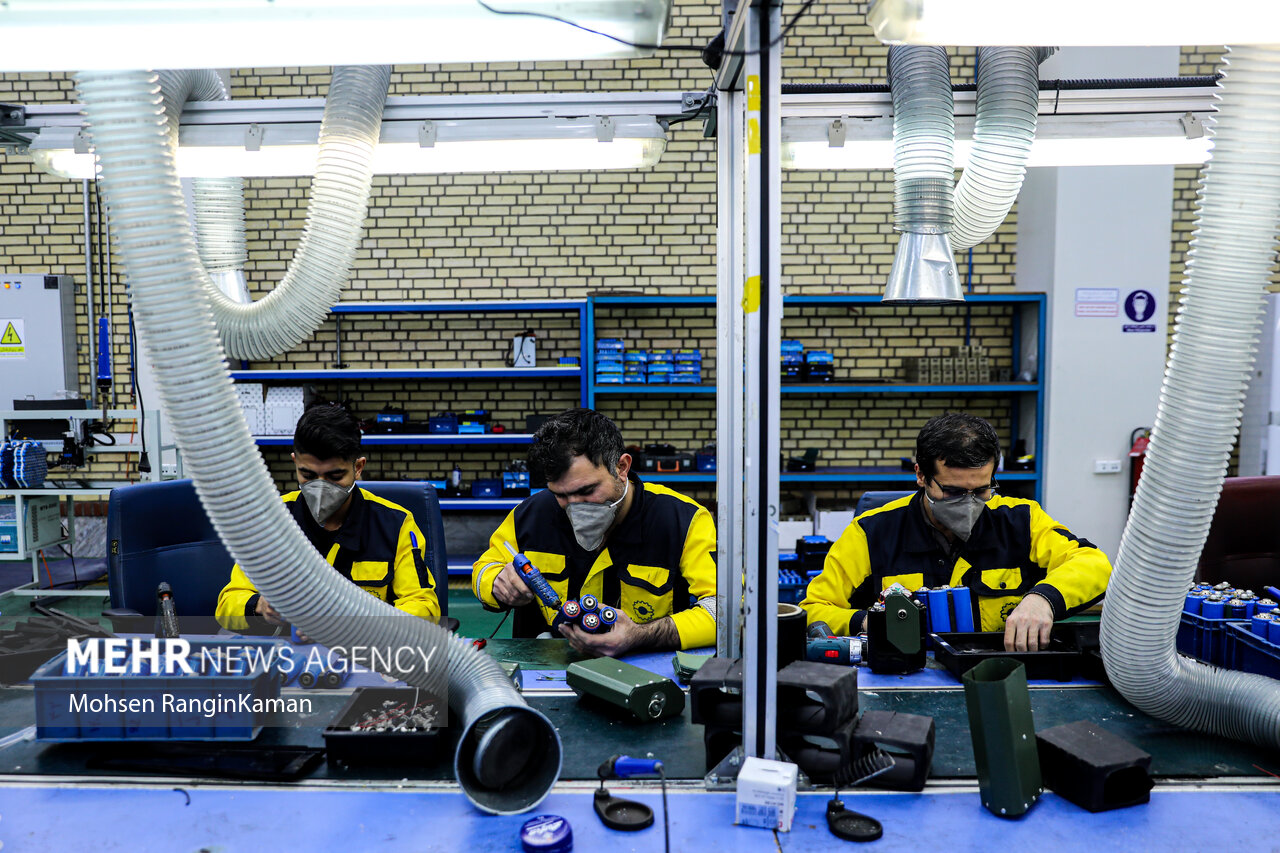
x: 1025, y: 570
x: 374, y: 543
x: 597, y: 529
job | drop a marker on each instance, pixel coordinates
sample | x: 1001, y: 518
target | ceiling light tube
x: 1082, y: 22
x: 420, y: 147
x: 60, y: 35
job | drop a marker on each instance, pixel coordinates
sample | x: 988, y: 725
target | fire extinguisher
x: 1140, y: 439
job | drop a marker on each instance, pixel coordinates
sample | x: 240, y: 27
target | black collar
x: 350, y: 535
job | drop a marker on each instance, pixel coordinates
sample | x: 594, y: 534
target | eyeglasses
x: 982, y: 492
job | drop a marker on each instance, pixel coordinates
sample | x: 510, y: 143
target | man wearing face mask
x: 371, y: 541
x: 640, y: 548
x: 1024, y: 569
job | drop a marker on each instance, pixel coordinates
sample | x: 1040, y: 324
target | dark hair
x: 327, y: 431
x: 958, y: 439
x: 577, y: 432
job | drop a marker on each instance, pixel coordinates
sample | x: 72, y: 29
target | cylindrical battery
x: 571, y: 610
x: 335, y: 678
x: 312, y: 673
x: 1213, y: 608
x: 1260, y: 624
x: 589, y: 603
x: 939, y: 613
x: 963, y: 603
x: 1237, y: 609
x: 1273, y: 632
x: 591, y: 622
x: 608, y: 616
x: 1194, y: 599
x: 1265, y: 605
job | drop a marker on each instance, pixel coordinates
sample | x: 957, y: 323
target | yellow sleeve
x: 232, y: 600
x: 486, y: 569
x: 410, y: 570
x: 846, y: 569
x: 1076, y: 571
x: 697, y: 624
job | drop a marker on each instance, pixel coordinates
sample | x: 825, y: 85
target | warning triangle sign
x: 10, y: 336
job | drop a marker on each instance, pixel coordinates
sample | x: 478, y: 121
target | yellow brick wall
x: 568, y: 235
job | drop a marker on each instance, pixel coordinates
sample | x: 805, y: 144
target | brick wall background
x: 522, y: 236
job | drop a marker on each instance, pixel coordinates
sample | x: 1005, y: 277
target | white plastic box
x: 766, y: 794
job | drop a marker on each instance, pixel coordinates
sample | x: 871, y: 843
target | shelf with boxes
x: 272, y: 409
x: 998, y: 358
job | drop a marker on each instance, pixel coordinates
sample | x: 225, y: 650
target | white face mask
x: 324, y: 498
x: 592, y: 521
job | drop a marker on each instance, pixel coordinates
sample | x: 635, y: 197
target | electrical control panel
x: 37, y: 337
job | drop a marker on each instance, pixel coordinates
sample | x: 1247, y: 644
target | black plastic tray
x: 961, y: 652
x: 381, y: 748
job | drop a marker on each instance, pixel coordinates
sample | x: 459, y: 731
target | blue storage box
x: 659, y: 379
x: 705, y: 461
x: 609, y: 379
x: 471, y: 429
x: 1203, y: 638
x: 90, y: 705
x: 635, y: 377
x: 515, y: 480
x: 442, y: 425
x: 486, y: 489
x: 440, y: 486
x: 686, y: 379
x: 1248, y: 652
x: 569, y: 361
x: 609, y: 345
x: 662, y: 356
x: 636, y: 356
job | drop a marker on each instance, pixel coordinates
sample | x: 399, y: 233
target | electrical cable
x: 673, y: 48
x: 501, y: 622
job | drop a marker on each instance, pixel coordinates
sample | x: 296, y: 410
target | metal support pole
x: 88, y: 281
x: 108, y: 289
x: 763, y: 305
x: 730, y: 414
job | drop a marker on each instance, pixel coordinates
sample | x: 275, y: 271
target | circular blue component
x: 546, y: 833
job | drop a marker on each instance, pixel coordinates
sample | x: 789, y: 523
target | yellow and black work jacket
x: 659, y: 561
x: 1015, y: 548
x: 378, y: 548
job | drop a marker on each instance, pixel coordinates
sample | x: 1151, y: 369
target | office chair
x: 1244, y: 540
x: 159, y: 532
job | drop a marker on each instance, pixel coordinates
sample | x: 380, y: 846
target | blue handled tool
x: 823, y: 646
x: 624, y: 767
x: 629, y: 815
x: 533, y: 579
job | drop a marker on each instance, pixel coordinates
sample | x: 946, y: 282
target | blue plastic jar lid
x: 546, y: 833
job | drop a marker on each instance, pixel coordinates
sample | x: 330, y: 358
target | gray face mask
x: 957, y: 514
x: 592, y: 521
x: 324, y: 498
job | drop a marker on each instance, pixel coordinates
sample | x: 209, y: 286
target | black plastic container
x: 960, y: 653
x: 387, y: 747
x: 1093, y: 768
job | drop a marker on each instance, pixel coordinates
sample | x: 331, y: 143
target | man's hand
x: 624, y: 636
x: 510, y: 589
x: 1028, y: 626
x: 268, y: 613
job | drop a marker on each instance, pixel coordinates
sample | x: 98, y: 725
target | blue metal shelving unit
x: 1017, y: 392
x: 403, y: 439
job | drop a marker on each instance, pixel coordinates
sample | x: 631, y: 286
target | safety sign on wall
x: 1097, y: 302
x: 1139, y: 307
x: 13, y: 339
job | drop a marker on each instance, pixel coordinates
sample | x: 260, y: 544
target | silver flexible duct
x: 509, y: 755
x: 924, y: 133
x: 218, y: 203
x: 1005, y: 127
x: 1232, y: 250
x: 313, y: 282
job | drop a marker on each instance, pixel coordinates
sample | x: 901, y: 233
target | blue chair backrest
x: 871, y: 500
x: 159, y: 532
x: 420, y: 499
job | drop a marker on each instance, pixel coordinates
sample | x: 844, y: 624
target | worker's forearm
x: 661, y: 635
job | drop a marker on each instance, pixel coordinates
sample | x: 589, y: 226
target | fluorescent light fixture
x: 1081, y: 22
x: 423, y: 147
x: 1072, y: 140
x: 62, y: 35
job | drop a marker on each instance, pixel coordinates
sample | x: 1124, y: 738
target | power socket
x: 169, y: 471
x: 1106, y: 466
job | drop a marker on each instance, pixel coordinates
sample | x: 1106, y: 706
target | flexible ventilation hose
x: 218, y: 202
x: 1232, y: 250
x: 1005, y: 127
x: 313, y: 282
x: 924, y: 135
x: 509, y: 755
